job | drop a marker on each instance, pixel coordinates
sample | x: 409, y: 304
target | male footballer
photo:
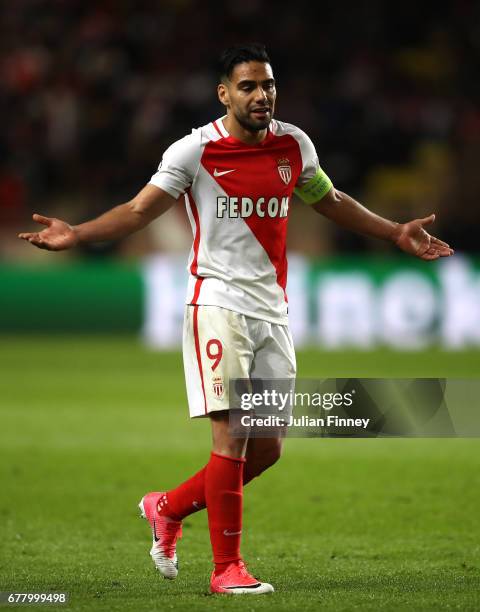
x: 237, y: 176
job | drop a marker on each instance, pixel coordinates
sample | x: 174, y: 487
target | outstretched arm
x: 149, y: 203
x: 410, y: 237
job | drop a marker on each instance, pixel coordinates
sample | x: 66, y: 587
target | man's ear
x: 222, y: 92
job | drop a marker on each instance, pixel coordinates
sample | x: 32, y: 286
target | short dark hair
x: 249, y: 52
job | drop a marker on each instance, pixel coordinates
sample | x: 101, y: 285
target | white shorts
x: 220, y: 344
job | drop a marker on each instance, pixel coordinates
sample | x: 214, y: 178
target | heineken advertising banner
x: 349, y: 302
x: 334, y: 302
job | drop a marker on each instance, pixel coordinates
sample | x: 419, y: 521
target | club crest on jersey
x: 284, y: 170
x: 218, y: 387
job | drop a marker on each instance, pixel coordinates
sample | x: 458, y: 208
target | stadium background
x: 91, y: 94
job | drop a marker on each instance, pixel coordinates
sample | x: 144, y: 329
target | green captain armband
x: 315, y: 189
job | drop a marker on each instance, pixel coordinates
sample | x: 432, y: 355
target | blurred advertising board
x: 340, y: 302
x: 402, y: 303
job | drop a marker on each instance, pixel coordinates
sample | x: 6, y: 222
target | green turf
x: 87, y: 426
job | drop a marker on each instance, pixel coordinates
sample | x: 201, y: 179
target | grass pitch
x: 87, y: 426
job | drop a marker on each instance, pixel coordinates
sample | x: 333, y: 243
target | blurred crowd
x: 93, y: 92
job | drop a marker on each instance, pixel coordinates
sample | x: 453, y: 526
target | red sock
x: 224, y: 497
x: 189, y: 497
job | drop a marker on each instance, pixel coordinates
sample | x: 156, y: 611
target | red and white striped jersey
x: 237, y: 197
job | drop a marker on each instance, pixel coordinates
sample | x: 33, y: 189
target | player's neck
x: 240, y: 133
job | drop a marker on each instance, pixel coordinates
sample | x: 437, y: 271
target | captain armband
x: 315, y: 189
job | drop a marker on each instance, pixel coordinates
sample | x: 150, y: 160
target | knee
x: 223, y: 442
x: 273, y: 454
x: 269, y: 456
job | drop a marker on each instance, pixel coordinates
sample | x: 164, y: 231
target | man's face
x: 250, y: 95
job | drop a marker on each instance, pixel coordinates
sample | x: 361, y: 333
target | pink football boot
x: 165, y: 532
x: 236, y: 580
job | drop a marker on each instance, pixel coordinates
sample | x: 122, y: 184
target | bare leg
x: 223, y: 442
x: 261, y: 454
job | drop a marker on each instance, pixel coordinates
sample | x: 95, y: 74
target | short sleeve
x: 313, y: 183
x: 179, y: 165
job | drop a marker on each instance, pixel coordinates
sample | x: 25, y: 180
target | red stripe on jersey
x: 217, y: 128
x: 197, y: 351
x: 256, y: 175
x: 196, y: 291
x: 196, y: 240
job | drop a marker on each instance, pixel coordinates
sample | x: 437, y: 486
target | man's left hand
x: 412, y: 238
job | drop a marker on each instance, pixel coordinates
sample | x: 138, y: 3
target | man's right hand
x: 57, y: 236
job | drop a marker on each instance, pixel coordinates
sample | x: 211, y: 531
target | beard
x: 251, y: 124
